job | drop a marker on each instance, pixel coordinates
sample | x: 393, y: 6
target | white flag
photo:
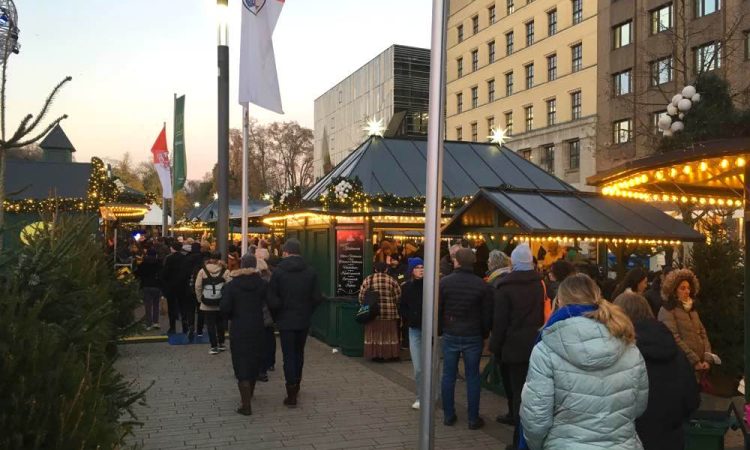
x: 259, y: 83
x: 161, y: 163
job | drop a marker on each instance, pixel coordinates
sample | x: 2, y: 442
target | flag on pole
x: 161, y: 163
x: 178, y: 158
x: 259, y: 83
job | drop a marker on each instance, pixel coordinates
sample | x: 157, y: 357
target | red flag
x: 161, y: 163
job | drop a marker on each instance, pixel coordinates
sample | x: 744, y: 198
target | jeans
x: 293, y: 348
x: 151, y: 297
x: 216, y: 327
x: 471, y: 349
x: 268, y: 358
x: 415, y: 350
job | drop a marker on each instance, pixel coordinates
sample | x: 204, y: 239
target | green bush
x: 62, y: 311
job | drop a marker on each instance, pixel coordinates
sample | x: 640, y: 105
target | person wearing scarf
x: 587, y: 381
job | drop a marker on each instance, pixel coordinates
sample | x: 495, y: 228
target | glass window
x: 509, y: 84
x: 623, y: 34
x: 708, y: 57
x: 551, y: 67
x: 510, y: 7
x: 706, y: 7
x: 552, y: 22
x: 548, y: 158
x: 474, y: 97
x: 460, y: 67
x: 459, y: 102
x: 474, y: 132
x: 655, y: 120
x: 661, y: 19
x: 529, y: 116
x: 623, y: 131
x: 577, y: 11
x: 575, y: 105
x: 529, y: 76
x: 460, y: 33
x: 574, y: 154
x: 474, y: 60
x: 490, y: 124
x: 475, y: 24
x: 526, y: 154
x: 551, y: 112
x: 491, y: 14
x: 529, y: 33
x: 491, y: 51
x: 661, y: 71
x: 509, y: 123
x: 459, y: 134
x: 577, y: 56
x: 622, y: 83
x: 491, y: 91
x: 509, y: 43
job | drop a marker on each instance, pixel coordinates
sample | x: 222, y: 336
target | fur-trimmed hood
x: 673, y: 279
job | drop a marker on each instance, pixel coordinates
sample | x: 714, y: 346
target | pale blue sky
x: 128, y: 58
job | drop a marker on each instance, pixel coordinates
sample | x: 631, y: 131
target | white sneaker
x: 415, y: 405
x: 213, y: 351
x: 156, y: 326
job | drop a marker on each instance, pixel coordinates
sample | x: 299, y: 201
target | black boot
x: 246, y: 393
x: 291, y: 394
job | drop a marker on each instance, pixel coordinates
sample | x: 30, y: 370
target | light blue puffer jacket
x: 584, y: 389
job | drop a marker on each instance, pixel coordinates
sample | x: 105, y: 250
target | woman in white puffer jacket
x: 587, y: 381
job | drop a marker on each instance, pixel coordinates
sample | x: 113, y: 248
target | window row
x: 576, y: 58
x: 547, y: 155
x: 661, y: 20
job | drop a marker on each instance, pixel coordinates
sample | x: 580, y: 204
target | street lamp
x: 222, y: 180
x: 197, y: 204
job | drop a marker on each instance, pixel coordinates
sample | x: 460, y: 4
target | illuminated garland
x: 101, y: 190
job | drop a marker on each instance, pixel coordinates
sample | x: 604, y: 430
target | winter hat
x: 292, y: 247
x: 465, y: 258
x: 413, y: 263
x: 521, y: 258
x: 249, y: 262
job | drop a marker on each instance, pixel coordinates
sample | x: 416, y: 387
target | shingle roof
x: 41, y: 179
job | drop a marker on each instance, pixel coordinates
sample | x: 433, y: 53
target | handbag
x: 370, y: 308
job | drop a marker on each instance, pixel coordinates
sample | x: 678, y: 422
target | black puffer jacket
x: 411, y: 303
x: 294, y: 293
x: 673, y: 393
x: 148, y: 272
x: 518, y: 316
x: 465, y: 304
x: 653, y: 295
x: 191, y: 265
x: 173, y: 282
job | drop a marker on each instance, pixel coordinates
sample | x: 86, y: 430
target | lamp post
x: 222, y: 178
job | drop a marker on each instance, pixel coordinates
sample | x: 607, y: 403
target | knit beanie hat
x: 292, y: 247
x: 248, y: 262
x: 465, y: 258
x: 413, y: 263
x: 521, y: 258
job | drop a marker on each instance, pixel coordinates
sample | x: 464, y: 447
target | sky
x: 129, y: 58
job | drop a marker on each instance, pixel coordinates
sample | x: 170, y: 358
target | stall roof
x: 573, y: 214
x: 397, y: 166
x: 42, y: 179
x: 255, y: 208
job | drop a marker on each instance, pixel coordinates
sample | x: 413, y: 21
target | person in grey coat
x: 587, y: 382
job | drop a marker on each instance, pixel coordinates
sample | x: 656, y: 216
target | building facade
x: 392, y: 87
x: 529, y: 67
x: 648, y: 51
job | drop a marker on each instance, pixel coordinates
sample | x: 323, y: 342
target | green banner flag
x: 180, y: 164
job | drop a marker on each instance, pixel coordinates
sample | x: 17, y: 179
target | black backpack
x: 212, y: 287
x: 370, y: 308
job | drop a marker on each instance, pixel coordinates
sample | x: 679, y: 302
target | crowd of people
x: 252, y: 294
x: 580, y: 369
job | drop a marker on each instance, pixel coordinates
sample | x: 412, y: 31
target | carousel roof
x: 398, y: 166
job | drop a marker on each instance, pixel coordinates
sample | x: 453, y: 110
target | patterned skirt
x: 382, y: 339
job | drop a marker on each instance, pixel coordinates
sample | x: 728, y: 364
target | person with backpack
x: 191, y: 265
x: 209, y: 283
x: 382, y: 333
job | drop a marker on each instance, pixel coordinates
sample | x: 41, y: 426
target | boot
x: 291, y: 394
x: 246, y: 393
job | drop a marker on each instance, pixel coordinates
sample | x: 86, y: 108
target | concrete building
x: 392, y: 87
x: 528, y: 66
x: 648, y: 51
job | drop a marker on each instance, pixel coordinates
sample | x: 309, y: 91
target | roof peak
x: 57, y: 140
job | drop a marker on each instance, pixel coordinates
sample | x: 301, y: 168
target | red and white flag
x: 161, y: 163
x: 259, y: 83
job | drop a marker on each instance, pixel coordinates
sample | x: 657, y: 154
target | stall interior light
x: 586, y: 239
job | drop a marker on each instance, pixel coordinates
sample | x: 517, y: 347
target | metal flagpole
x: 164, y: 224
x: 174, y: 193
x: 434, y: 195
x: 245, y: 131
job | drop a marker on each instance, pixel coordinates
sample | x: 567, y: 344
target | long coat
x: 242, y: 302
x: 584, y: 389
x: 688, y: 332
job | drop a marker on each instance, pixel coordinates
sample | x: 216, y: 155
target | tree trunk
x: 2, y: 197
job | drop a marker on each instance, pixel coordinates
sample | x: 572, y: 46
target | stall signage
x: 350, y: 252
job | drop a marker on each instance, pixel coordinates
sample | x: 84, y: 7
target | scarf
x: 566, y: 312
x: 687, y: 305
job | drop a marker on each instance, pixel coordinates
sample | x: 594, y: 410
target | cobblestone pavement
x: 345, y: 403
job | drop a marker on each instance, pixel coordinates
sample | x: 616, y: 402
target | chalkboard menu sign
x: 350, y: 252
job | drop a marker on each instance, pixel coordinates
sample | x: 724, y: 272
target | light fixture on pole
x: 222, y: 178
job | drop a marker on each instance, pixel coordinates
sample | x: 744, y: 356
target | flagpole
x: 432, y: 225
x: 172, y: 160
x: 245, y: 163
x: 164, y: 216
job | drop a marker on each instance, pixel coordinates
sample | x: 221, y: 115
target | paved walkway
x: 345, y: 403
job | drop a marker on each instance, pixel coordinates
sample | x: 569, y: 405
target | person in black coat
x: 173, y: 283
x: 410, y: 309
x: 242, y: 303
x: 673, y: 393
x: 653, y: 293
x: 191, y: 265
x: 518, y: 316
x: 148, y: 272
x: 294, y: 293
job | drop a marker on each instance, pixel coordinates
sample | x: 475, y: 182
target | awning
x: 566, y: 215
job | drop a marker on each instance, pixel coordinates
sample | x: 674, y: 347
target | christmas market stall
x: 201, y: 221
